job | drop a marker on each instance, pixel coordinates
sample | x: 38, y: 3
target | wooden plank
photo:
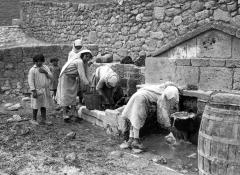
x: 206, y: 166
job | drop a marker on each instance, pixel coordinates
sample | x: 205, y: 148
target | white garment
x: 41, y: 83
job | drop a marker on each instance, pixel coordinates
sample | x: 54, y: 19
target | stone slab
x: 217, y: 62
x: 186, y: 75
x: 192, y: 48
x: 201, y: 62
x: 236, y: 48
x: 183, y: 62
x: 233, y: 63
x: 215, y: 78
x: 159, y: 70
x: 236, y: 79
x: 200, y: 94
x: 214, y: 44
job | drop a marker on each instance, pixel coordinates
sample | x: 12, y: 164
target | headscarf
x: 77, y: 56
x: 75, y: 52
x: 112, y: 80
x: 171, y: 92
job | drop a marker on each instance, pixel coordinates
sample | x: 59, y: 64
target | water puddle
x: 182, y: 157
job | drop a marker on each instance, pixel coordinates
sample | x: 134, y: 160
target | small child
x: 55, y: 69
x: 39, y: 77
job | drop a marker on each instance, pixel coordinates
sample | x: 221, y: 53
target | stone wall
x: 8, y: 11
x: 15, y: 63
x: 209, y: 61
x: 128, y: 28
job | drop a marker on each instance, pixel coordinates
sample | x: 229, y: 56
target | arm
x: 45, y: 70
x: 81, y: 72
x: 100, y: 91
x: 163, y: 112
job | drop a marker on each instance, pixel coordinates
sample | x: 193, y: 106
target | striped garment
x: 39, y: 82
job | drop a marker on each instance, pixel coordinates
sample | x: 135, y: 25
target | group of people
x: 49, y: 84
x: 64, y: 85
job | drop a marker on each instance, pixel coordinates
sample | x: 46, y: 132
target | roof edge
x: 221, y: 26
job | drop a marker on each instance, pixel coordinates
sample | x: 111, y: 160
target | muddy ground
x: 27, y: 149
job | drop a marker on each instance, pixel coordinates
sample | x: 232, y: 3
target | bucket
x: 219, y: 136
x: 93, y: 101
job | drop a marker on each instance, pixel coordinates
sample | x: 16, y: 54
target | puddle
x: 176, y: 155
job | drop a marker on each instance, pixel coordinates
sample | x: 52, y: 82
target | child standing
x: 39, y: 78
x: 55, y: 69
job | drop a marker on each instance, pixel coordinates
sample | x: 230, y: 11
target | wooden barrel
x: 219, y: 136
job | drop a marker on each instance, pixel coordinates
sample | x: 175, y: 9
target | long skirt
x: 137, y: 107
x: 67, y: 90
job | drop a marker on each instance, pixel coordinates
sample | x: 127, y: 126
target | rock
x: 14, y: 118
x: 193, y: 156
x: 116, y: 154
x: 26, y: 99
x: 184, y: 171
x: 137, y: 151
x: 7, y: 105
x: 71, y: 157
x: 70, y: 136
x: 160, y: 160
x: 14, y: 107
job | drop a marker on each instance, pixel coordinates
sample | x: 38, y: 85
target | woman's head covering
x: 77, y: 42
x: 112, y: 80
x: 84, y: 51
x: 171, y: 92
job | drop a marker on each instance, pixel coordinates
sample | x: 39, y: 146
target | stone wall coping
x: 221, y: 26
x: 201, y: 94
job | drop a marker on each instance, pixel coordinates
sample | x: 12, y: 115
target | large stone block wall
x: 210, y: 61
x: 125, y: 28
x: 15, y: 63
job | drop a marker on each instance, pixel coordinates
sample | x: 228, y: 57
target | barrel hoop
x: 225, y: 106
x: 219, y: 119
x: 220, y: 140
x: 218, y: 160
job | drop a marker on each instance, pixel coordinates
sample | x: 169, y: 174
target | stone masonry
x: 15, y: 63
x: 128, y: 27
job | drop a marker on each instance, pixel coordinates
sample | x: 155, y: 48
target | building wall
x: 16, y: 62
x: 210, y: 61
x: 9, y: 9
x: 125, y: 28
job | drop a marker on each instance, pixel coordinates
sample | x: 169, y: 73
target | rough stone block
x: 159, y: 13
x: 13, y: 54
x: 201, y: 62
x: 217, y: 62
x: 201, y: 106
x: 16, y: 22
x: 159, y: 70
x: 233, y: 63
x: 236, y: 48
x: 30, y: 51
x: 1, y: 54
x: 214, y: 44
x: 215, y: 78
x: 183, y: 62
x: 221, y: 15
x: 186, y: 75
x: 236, y: 79
x: 111, y: 118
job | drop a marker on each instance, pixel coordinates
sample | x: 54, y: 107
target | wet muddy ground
x: 27, y: 149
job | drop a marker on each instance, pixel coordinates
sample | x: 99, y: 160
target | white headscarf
x: 171, y: 92
x: 112, y: 80
x: 77, y: 56
x: 75, y: 52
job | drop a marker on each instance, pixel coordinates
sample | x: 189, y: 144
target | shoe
x: 34, y: 122
x: 127, y: 144
x: 136, y: 144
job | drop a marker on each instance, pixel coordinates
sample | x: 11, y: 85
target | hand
x: 34, y: 94
x: 42, y: 70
